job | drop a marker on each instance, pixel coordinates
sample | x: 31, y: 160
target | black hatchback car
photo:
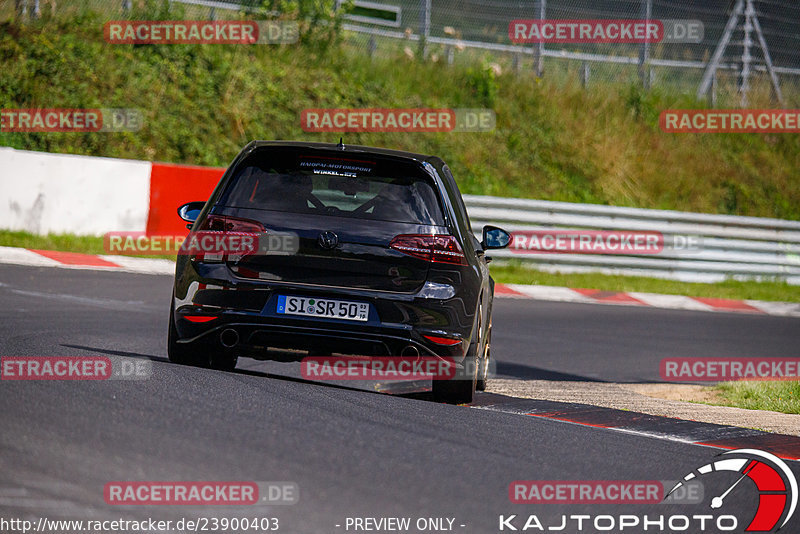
x: 362, y: 251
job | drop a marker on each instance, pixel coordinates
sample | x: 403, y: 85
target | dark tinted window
x: 352, y: 186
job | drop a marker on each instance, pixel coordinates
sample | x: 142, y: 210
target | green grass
x: 515, y: 273
x: 508, y: 274
x: 777, y: 396
x: 553, y: 141
x: 61, y: 242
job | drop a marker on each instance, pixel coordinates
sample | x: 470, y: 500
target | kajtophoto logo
x: 747, y: 474
x: 771, y: 482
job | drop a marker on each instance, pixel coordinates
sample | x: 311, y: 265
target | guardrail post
x: 747, y: 57
x: 645, y: 13
x: 712, y: 94
x: 372, y: 46
x: 585, y: 74
x: 21, y: 7
x: 538, y: 48
x: 424, y: 26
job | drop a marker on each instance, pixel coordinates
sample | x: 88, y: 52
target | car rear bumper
x: 397, y: 323
x: 253, y: 338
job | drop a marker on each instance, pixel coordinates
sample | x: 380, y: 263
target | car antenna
x: 340, y: 146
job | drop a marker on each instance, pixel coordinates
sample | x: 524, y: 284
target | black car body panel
x: 359, y: 255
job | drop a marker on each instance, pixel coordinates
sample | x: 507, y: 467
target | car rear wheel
x: 175, y: 352
x: 460, y: 390
x: 456, y: 391
x: 223, y: 361
x: 483, y: 364
x: 197, y: 355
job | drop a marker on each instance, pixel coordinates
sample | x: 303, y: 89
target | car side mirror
x: 190, y: 211
x: 494, y: 237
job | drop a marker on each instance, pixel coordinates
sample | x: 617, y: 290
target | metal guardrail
x: 729, y: 246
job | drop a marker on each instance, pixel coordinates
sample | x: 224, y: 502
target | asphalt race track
x: 352, y: 453
x: 570, y: 341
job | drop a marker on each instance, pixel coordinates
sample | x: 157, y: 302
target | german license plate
x: 326, y: 308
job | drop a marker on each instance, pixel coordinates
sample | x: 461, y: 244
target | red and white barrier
x: 62, y: 193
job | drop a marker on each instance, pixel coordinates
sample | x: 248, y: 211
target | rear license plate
x: 327, y: 308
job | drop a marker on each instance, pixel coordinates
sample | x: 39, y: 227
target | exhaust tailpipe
x: 229, y: 338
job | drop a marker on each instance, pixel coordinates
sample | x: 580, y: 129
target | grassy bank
x: 554, y: 140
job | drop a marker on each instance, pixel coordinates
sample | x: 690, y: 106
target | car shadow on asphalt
x: 529, y: 372
x: 395, y: 390
x: 109, y: 352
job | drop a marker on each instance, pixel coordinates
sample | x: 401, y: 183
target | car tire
x: 223, y: 360
x: 183, y: 354
x: 461, y: 390
x: 483, y: 364
x: 455, y: 391
x: 175, y: 352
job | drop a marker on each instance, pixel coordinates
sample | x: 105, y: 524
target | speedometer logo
x: 775, y: 483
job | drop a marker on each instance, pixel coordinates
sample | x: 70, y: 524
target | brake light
x: 232, y: 239
x: 221, y: 223
x: 199, y: 318
x: 432, y: 248
x: 447, y: 341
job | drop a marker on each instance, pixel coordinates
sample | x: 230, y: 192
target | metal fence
x: 741, y: 40
x: 727, y: 247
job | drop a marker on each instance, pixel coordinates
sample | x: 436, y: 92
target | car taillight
x: 229, y: 239
x: 433, y: 248
x: 221, y: 223
x: 439, y: 340
x: 199, y: 318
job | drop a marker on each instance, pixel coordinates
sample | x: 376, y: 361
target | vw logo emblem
x: 328, y: 240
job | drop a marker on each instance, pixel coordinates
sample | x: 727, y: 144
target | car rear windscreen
x: 360, y: 186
